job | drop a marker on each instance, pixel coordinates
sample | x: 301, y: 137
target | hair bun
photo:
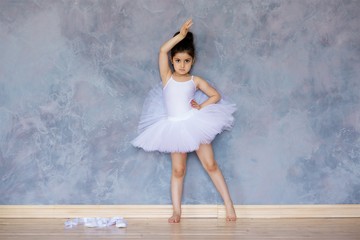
x: 189, y: 37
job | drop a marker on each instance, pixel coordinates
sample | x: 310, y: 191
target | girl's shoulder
x: 198, y: 80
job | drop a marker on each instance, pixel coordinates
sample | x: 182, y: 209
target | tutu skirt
x: 158, y: 132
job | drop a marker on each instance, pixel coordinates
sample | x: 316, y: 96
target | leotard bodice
x: 177, y: 96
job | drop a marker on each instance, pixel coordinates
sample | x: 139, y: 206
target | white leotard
x: 177, y: 96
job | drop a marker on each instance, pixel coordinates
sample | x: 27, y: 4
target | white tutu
x: 158, y: 132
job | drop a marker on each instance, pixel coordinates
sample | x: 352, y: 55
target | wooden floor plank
x: 322, y: 228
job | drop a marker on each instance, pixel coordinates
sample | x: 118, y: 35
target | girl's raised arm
x: 165, y: 71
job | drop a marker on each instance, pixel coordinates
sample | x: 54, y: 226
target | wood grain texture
x: 207, y: 228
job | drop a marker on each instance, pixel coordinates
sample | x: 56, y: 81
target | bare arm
x: 165, y: 71
x: 214, y: 96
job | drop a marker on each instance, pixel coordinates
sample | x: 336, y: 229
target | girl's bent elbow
x: 218, y: 97
x: 163, y: 50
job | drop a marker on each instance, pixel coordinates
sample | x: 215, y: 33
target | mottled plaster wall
x: 73, y: 76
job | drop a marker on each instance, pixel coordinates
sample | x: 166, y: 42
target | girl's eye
x: 177, y: 60
x: 187, y: 60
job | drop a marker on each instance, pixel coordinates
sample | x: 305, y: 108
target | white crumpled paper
x: 96, y: 222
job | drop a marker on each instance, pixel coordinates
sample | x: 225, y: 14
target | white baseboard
x: 188, y: 211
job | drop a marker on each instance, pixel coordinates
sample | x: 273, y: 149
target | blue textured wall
x: 73, y: 75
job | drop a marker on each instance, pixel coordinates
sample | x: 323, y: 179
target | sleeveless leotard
x: 177, y: 96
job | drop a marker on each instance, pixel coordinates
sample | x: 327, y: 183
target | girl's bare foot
x: 230, y: 213
x: 175, y: 218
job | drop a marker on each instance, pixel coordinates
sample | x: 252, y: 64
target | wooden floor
x: 315, y: 228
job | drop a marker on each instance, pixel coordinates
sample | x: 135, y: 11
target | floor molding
x: 188, y: 211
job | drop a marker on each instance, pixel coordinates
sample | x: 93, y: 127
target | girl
x: 186, y: 122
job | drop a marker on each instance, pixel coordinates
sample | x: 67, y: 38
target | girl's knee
x: 178, y: 172
x: 211, y: 166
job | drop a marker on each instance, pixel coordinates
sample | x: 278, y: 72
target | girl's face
x: 182, y: 63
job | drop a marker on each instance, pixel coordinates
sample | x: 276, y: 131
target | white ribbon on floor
x: 119, y: 222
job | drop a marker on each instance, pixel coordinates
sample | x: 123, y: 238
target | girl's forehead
x: 182, y: 55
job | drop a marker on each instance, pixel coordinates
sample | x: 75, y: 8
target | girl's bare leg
x: 177, y: 180
x: 206, y: 156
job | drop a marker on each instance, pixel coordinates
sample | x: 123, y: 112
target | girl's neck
x: 177, y: 75
x: 181, y: 77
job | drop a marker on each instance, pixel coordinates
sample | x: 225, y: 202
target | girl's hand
x: 185, y: 27
x: 194, y: 104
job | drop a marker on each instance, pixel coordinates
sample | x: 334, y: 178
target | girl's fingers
x: 185, y: 27
x: 188, y: 23
x: 194, y: 104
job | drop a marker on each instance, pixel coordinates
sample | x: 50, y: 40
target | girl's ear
x: 193, y: 61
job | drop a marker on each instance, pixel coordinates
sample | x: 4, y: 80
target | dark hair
x: 185, y: 45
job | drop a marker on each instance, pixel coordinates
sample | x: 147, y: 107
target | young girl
x: 178, y: 120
